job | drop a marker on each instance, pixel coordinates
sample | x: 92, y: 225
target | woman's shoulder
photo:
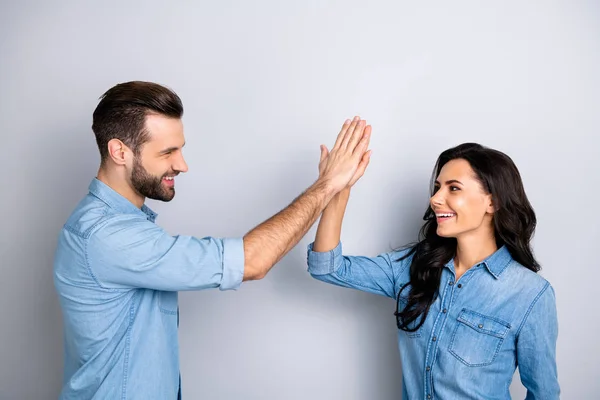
x: 516, y: 269
x: 524, y: 281
x: 406, y: 252
x: 401, y: 259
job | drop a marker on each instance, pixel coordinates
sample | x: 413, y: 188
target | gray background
x: 264, y: 84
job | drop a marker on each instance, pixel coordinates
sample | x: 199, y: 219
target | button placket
x: 432, y: 348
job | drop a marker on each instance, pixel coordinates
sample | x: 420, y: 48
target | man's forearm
x: 266, y: 244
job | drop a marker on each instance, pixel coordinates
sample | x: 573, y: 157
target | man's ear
x: 118, y: 152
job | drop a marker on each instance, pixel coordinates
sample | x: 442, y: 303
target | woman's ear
x: 491, y: 207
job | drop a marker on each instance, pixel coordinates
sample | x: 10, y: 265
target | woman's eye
x: 453, y: 188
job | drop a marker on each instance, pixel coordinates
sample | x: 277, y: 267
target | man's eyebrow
x: 170, y: 149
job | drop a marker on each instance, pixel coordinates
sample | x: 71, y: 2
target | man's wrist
x: 325, y: 188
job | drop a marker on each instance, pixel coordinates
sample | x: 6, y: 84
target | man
x: 117, y: 273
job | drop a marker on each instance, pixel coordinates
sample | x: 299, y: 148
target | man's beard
x: 148, y: 185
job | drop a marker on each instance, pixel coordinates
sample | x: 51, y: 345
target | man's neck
x: 118, y: 183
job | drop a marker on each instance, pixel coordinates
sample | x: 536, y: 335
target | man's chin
x: 164, y: 197
x: 168, y: 199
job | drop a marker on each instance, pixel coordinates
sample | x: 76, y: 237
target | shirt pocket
x: 167, y: 302
x: 477, y: 338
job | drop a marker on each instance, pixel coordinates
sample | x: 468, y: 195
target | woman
x: 470, y: 304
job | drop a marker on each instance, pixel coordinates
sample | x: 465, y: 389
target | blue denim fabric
x: 117, y: 275
x: 497, y: 316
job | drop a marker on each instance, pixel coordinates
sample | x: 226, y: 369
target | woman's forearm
x: 330, y: 224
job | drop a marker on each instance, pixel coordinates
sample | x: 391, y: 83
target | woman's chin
x: 445, y: 233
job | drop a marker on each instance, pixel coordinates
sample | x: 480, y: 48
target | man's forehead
x: 164, y: 131
x: 162, y: 125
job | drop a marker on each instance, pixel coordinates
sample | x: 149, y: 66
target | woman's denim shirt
x: 498, y: 316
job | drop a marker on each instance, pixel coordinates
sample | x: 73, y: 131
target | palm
x: 348, y: 159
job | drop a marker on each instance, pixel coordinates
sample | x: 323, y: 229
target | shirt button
x: 428, y: 396
x: 450, y: 283
x: 480, y: 326
x: 459, y: 285
x: 428, y: 368
x: 444, y: 311
x: 434, y: 339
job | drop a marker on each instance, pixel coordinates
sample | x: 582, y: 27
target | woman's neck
x: 472, y: 250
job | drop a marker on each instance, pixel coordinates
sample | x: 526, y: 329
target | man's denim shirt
x: 499, y: 315
x: 117, y: 274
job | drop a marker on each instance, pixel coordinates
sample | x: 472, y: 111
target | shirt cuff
x: 233, y: 263
x: 322, y: 263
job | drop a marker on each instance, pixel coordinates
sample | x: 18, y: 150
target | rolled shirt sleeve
x: 128, y: 251
x: 377, y: 275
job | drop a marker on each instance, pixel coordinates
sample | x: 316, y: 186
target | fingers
x: 354, y: 126
x: 342, y: 134
x: 363, y: 145
x: 353, y: 139
x: 324, y: 153
x: 364, y: 163
x: 362, y: 166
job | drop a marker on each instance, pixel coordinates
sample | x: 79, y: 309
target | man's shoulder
x: 86, y: 215
x: 92, y: 214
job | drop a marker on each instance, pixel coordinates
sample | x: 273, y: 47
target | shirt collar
x: 496, y: 263
x: 117, y: 202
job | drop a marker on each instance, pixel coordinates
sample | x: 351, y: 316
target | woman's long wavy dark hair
x: 514, y: 224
